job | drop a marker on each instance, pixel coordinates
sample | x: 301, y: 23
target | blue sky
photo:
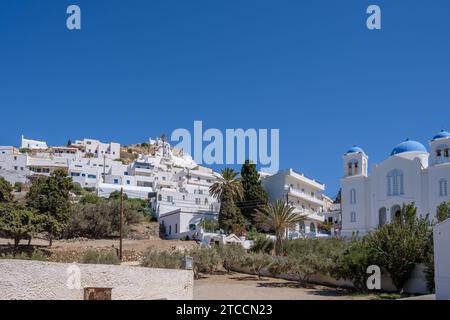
x: 310, y: 68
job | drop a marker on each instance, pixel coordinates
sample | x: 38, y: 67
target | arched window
x: 352, y: 196
x: 312, y: 228
x: 442, y: 154
x: 395, y: 183
x: 443, y: 190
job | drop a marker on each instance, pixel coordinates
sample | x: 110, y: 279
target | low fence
x: 416, y: 284
x: 36, y: 280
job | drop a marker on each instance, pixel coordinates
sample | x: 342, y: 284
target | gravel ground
x: 236, y: 286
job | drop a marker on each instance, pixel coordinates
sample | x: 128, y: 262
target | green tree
x: 17, y: 222
x: 443, y: 211
x: 398, y: 247
x: 5, y: 191
x: 50, y: 197
x: 228, y: 190
x: 254, y: 195
x: 277, y: 217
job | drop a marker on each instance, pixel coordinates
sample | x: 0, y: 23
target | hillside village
x: 73, y: 203
x: 175, y: 187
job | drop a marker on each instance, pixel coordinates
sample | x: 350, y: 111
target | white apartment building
x: 172, y: 183
x: 96, y: 148
x: 305, y: 194
x: 409, y: 174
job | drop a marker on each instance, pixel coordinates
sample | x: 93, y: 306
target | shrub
x: 18, y: 186
x: 95, y: 257
x: 352, y: 264
x: 162, y: 259
x: 399, y: 246
x: 96, y: 217
x: 262, y: 243
x: 231, y: 254
x: 206, y: 260
x: 257, y: 262
x: 36, y: 255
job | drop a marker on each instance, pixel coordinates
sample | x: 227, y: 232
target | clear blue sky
x: 310, y: 68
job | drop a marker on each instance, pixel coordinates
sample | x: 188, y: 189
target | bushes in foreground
x: 96, y: 257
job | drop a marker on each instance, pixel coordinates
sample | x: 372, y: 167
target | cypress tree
x: 254, y: 194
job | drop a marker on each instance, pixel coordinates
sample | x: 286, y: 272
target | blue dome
x: 355, y: 149
x: 408, y: 146
x: 442, y: 134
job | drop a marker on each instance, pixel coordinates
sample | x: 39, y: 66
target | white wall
x: 442, y: 260
x: 35, y: 280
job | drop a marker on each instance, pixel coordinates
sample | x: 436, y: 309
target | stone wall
x: 35, y: 280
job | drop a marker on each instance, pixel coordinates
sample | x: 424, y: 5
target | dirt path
x: 238, y: 286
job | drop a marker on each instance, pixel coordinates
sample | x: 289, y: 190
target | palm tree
x: 277, y: 217
x: 227, y: 182
x: 227, y: 190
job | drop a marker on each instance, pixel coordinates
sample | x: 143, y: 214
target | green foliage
x: 254, y: 195
x: 443, y: 211
x: 352, y: 264
x: 17, y: 221
x: 209, y: 225
x: 50, y: 198
x: 228, y: 190
x: 5, y: 190
x: 36, y: 255
x: 277, y: 217
x: 162, y: 259
x: 96, y: 257
x: 257, y: 262
x: 262, y: 243
x: 206, y: 260
x: 399, y: 246
x: 18, y: 186
x: 96, y: 217
x: 231, y: 254
x: 229, y: 214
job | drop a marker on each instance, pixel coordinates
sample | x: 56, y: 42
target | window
x: 395, y: 183
x: 128, y: 181
x: 352, y: 216
x: 159, y: 197
x: 176, y: 227
x: 15, y: 167
x: 169, y: 198
x: 443, y: 191
x: 206, y: 201
x: 197, y: 200
x: 116, y: 181
x: 170, y: 230
x: 352, y: 196
x: 92, y: 176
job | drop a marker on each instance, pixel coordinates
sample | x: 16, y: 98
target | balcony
x: 305, y: 196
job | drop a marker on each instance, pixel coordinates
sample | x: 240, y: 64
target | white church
x: 409, y: 174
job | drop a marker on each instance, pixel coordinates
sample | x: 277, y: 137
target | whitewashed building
x: 300, y: 191
x: 409, y: 174
x: 442, y: 260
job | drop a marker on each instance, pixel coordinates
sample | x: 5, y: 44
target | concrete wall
x: 416, y: 284
x: 35, y: 280
x: 442, y: 260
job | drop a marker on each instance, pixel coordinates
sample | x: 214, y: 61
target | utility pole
x: 121, y: 224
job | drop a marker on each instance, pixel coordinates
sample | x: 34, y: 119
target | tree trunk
x: 50, y: 240
x: 279, y: 243
x: 16, y: 241
x: 29, y: 240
